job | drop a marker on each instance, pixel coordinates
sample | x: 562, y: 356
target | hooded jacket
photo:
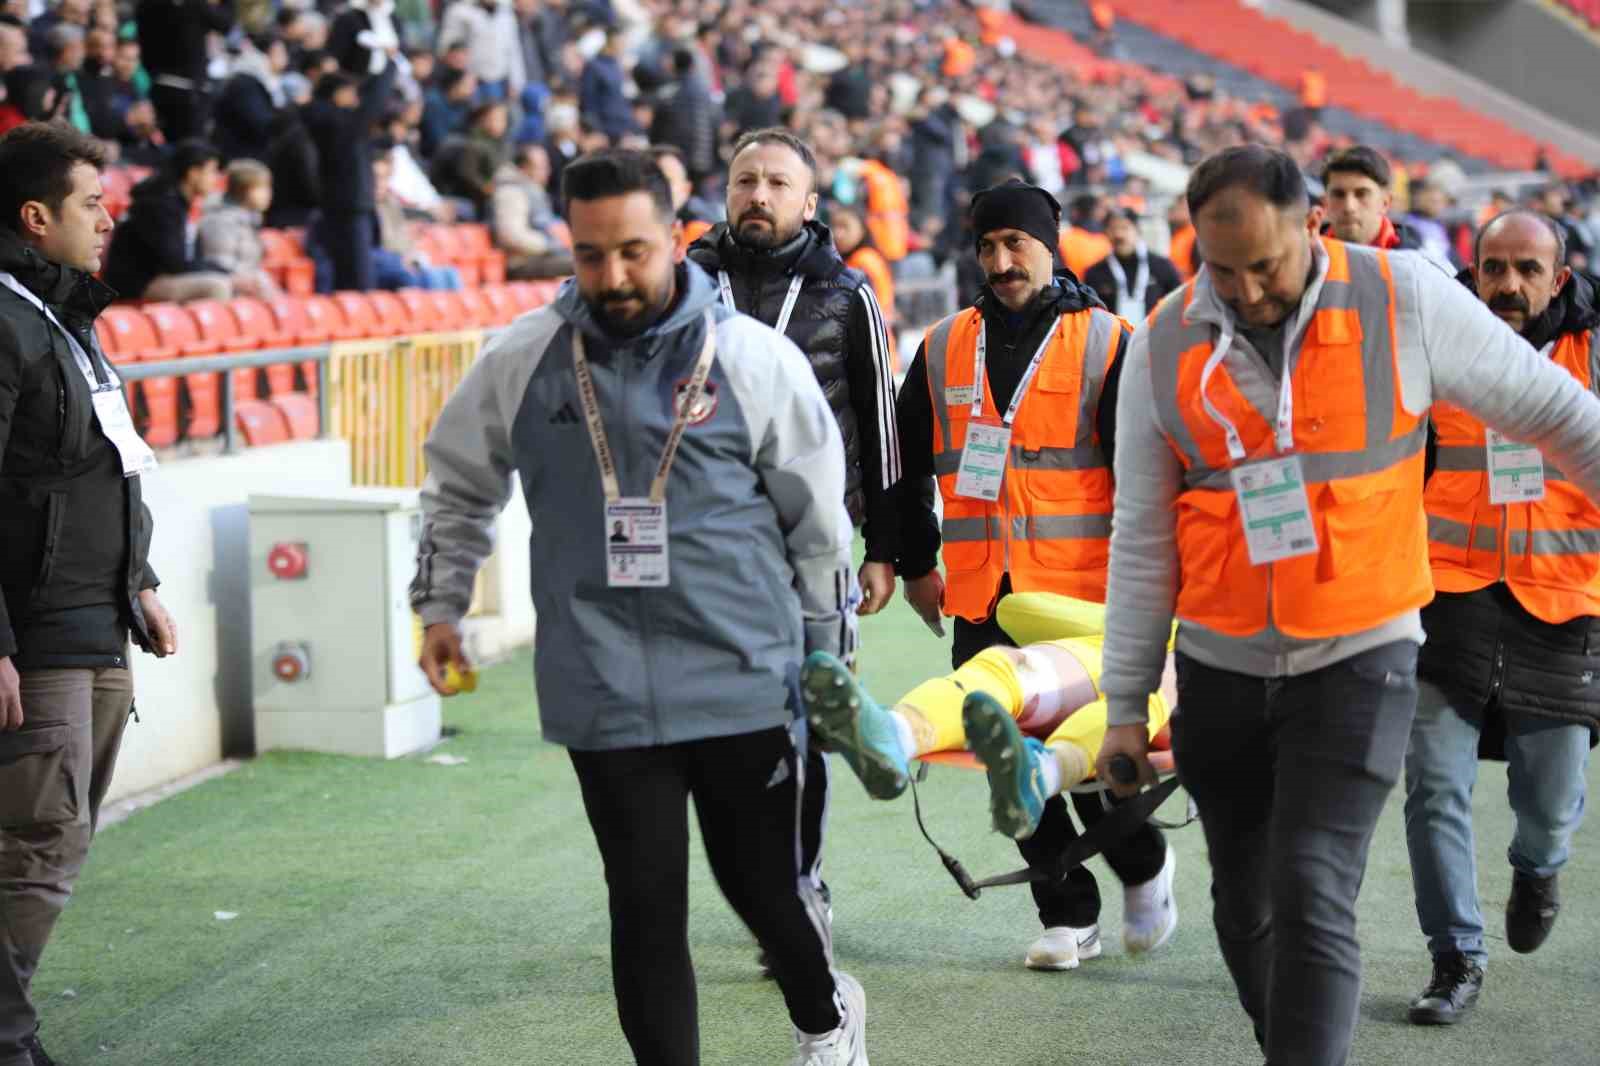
x: 838, y: 325
x: 759, y: 544
x: 154, y: 239
x: 1484, y: 649
x: 246, y: 105
x: 1013, y: 337
x: 76, y: 532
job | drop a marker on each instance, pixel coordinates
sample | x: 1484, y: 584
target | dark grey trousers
x: 54, y: 772
x: 1290, y: 775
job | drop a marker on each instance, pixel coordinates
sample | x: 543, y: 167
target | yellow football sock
x: 933, y: 708
x: 1085, y: 731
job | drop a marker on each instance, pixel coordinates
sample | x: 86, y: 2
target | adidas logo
x: 565, y: 416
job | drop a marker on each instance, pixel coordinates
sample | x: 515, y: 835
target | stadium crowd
x: 371, y: 117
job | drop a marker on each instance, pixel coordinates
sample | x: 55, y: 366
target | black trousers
x: 746, y: 792
x: 348, y: 241
x: 1135, y: 859
x: 183, y: 113
x: 1290, y: 775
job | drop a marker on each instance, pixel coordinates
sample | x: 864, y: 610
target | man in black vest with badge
x: 773, y: 261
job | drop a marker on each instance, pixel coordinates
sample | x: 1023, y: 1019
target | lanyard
x: 782, y: 325
x: 1141, y: 280
x: 980, y: 362
x: 81, y: 357
x: 687, y: 400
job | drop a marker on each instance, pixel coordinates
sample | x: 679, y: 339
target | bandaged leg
x: 1038, y: 686
x: 1074, y: 745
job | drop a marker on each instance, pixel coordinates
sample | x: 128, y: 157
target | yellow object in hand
x: 458, y: 681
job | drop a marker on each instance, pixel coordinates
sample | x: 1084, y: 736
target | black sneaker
x: 37, y: 1053
x: 1531, y: 911
x: 1457, y: 980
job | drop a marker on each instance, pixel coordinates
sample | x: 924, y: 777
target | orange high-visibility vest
x: 870, y: 262
x: 1547, y: 551
x: 1051, y: 528
x: 888, y: 213
x: 1082, y: 249
x: 1361, y: 456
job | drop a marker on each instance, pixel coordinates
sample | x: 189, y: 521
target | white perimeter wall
x: 196, y: 707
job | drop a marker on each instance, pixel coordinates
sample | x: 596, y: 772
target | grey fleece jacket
x: 759, y: 542
x: 1452, y: 348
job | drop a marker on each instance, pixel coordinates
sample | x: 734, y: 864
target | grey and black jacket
x: 759, y: 546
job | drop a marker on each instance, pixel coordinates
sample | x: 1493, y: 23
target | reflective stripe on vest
x: 1051, y: 528
x: 1360, y: 451
x: 1547, y: 551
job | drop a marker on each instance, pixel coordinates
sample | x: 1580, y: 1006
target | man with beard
x: 637, y: 397
x: 1272, y: 427
x: 1513, y: 634
x: 775, y: 262
x: 1027, y: 377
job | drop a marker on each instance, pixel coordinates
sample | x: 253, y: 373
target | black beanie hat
x: 1018, y: 205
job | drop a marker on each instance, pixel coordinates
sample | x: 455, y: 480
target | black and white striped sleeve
x: 869, y: 362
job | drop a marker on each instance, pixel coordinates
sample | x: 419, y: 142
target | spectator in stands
x: 142, y: 143
x: 488, y: 28
x: 408, y: 180
x: 172, y: 38
x: 65, y: 13
x: 30, y: 97
x: 756, y: 104
x: 1131, y: 280
x: 686, y: 117
x: 13, y: 44
x: 340, y: 120
x: 465, y: 166
x: 296, y: 171
x: 110, y: 95
x: 230, y: 230
x: 696, y: 214
x: 1556, y: 202
x: 854, y: 242
x: 396, y: 261
x: 1180, y: 249
x: 362, y: 35
x: 154, y: 252
x: 541, y: 33
x: 935, y: 128
x: 447, y: 104
x: 64, y: 49
x: 526, y: 227
x: 564, y: 141
x: 75, y: 581
x: 600, y: 92
x: 251, y: 98
x: 1429, y: 202
x: 850, y: 87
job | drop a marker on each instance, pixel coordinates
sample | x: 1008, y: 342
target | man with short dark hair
x: 1359, y: 186
x: 340, y: 121
x: 1511, y: 633
x: 635, y: 397
x: 1131, y: 280
x: 1272, y: 426
x: 155, y: 251
x: 467, y: 162
x: 75, y: 581
x: 775, y: 262
x: 526, y: 227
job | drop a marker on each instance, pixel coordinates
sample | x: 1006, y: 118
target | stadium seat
x: 360, y: 318
x: 449, y: 312
x: 424, y: 316
x: 136, y: 339
x: 477, y: 246
x: 220, y: 330
x: 394, y: 317
x: 502, y: 305
x: 475, y: 307
x: 302, y: 327
x: 443, y: 245
x: 526, y: 295
x: 177, y: 329
x: 300, y: 413
x: 288, y: 263
x: 260, y: 423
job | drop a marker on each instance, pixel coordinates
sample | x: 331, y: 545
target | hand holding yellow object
x: 457, y: 681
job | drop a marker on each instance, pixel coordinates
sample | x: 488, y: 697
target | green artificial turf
x: 399, y: 913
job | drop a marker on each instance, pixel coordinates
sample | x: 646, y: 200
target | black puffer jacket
x: 1484, y: 650
x: 75, y: 531
x: 837, y: 324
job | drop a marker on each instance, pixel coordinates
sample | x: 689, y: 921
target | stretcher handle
x: 1123, y: 770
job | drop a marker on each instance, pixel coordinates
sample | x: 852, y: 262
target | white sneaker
x: 1150, y: 911
x: 1062, y: 947
x: 846, y: 1045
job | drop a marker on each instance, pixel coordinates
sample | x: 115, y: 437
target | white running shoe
x: 1150, y: 911
x: 1062, y: 947
x: 846, y: 1045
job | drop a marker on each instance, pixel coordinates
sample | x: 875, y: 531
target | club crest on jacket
x: 704, y: 407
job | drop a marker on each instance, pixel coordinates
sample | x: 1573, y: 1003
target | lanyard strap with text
x: 782, y: 325
x: 1141, y: 279
x: 980, y: 361
x: 687, y: 401
x: 1283, y: 428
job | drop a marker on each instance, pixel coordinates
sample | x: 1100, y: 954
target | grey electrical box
x: 334, y: 643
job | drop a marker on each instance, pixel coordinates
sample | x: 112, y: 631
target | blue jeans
x: 1546, y: 765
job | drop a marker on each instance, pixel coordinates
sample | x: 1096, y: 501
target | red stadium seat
x: 475, y: 307
x: 287, y: 262
x: 449, y: 313
x: 477, y: 246
x: 220, y: 330
x: 394, y: 317
x: 178, y: 329
x: 260, y: 423
x: 502, y: 305
x: 424, y: 317
x: 300, y: 413
x: 135, y: 338
x: 360, y: 318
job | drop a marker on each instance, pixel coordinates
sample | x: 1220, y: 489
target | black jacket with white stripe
x: 838, y: 325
